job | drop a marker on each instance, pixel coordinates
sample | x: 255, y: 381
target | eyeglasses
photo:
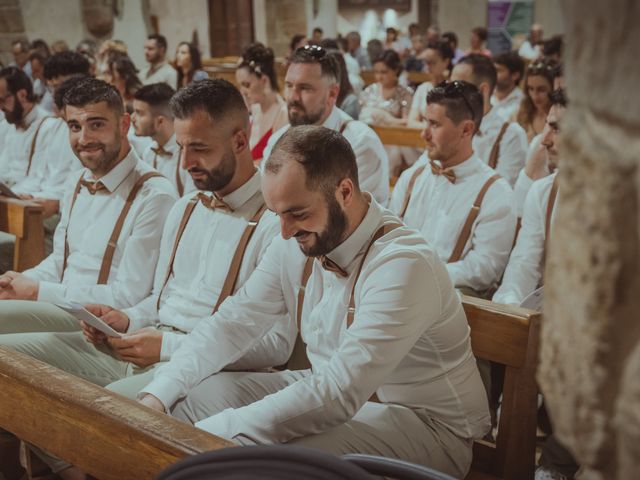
x: 314, y: 51
x: 457, y: 89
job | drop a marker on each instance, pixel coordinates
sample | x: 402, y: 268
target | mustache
x: 295, y: 104
x: 301, y: 233
x: 197, y: 170
x: 90, y: 146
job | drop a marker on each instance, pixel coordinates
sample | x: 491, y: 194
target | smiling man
x: 392, y: 369
x: 106, y: 245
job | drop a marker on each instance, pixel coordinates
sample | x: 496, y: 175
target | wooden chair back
x: 403, y: 136
x: 24, y: 220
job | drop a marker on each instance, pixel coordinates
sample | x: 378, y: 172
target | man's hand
x: 537, y: 164
x: 152, y: 402
x: 49, y: 206
x: 116, y: 319
x: 142, y: 348
x: 16, y: 286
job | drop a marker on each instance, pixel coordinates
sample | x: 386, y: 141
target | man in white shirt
x: 437, y: 196
x: 499, y: 143
x: 159, y: 70
x: 531, y: 48
x: 311, y: 91
x: 152, y: 118
x: 392, y: 369
x: 508, y: 95
x: 106, y: 245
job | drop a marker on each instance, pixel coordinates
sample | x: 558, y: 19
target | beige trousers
x: 23, y: 316
x: 379, y: 429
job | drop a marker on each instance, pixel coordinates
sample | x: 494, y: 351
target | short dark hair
x: 295, y: 40
x: 444, y: 50
x: 161, y: 40
x: 482, y: 68
x: 391, y: 59
x: 157, y: 96
x: 66, y: 63
x: 90, y: 91
x: 512, y: 61
x: 553, y: 46
x: 325, y: 155
x: 318, y: 30
x: 461, y: 100
x: 17, y: 80
x: 318, y: 55
x: 215, y: 96
x: 451, y: 37
x: 559, y: 97
x: 481, y: 32
x: 61, y: 91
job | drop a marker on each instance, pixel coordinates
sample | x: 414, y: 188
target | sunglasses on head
x: 456, y: 89
x: 314, y: 51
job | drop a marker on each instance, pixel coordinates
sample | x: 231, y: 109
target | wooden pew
x: 507, y: 336
x: 106, y: 435
x: 414, y: 78
x: 404, y: 136
x: 23, y: 219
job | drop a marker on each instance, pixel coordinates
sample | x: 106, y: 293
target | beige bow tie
x: 331, y: 266
x: 447, y: 173
x: 93, y: 187
x: 213, y: 202
x: 161, y: 151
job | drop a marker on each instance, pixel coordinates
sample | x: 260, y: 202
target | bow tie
x: 447, y: 173
x: 213, y: 202
x: 331, y: 266
x: 161, y: 151
x: 93, y: 187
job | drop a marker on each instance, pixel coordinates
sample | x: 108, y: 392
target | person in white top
x: 159, y: 70
x: 437, y: 196
x: 498, y: 143
x: 392, y: 369
x: 152, y: 118
x: 106, y: 245
x: 311, y: 90
x: 531, y: 49
x: 524, y: 271
x: 507, y: 95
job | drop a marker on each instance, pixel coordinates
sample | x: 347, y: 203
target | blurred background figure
x: 534, y: 108
x: 531, y: 49
x: 478, y: 40
x: 188, y: 63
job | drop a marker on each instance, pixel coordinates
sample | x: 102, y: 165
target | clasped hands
x: 16, y: 286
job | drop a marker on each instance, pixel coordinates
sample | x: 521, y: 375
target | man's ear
x: 21, y: 95
x: 334, y: 91
x: 345, y: 191
x: 468, y: 128
x: 240, y: 140
x: 125, y: 123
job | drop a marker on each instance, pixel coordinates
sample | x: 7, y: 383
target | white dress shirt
x: 439, y: 209
x: 139, y: 144
x: 409, y: 341
x: 510, y: 104
x: 525, y: 267
x: 162, y: 73
x: 166, y: 164
x: 14, y: 156
x: 202, y: 262
x: 53, y: 163
x: 419, y: 102
x: 524, y: 182
x: 529, y: 51
x: 513, y: 147
x: 89, y: 228
x: 371, y: 157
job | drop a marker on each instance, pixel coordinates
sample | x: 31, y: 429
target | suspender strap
x: 344, y: 126
x: 495, y: 150
x: 306, y: 273
x: 183, y: 223
x: 234, y: 269
x: 107, y: 259
x: 473, y: 214
x: 407, y: 195
x: 32, y: 150
x: 66, y: 241
x: 178, y: 179
x: 550, y: 204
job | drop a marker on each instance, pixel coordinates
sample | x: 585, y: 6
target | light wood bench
x: 23, y: 219
x: 106, y: 435
x: 403, y: 136
x: 414, y: 78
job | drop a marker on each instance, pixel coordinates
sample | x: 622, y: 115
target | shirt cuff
x: 51, y: 292
x: 164, y: 389
x: 137, y: 319
x: 221, y: 424
x: 170, y: 343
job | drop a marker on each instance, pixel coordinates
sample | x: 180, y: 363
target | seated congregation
x: 270, y: 274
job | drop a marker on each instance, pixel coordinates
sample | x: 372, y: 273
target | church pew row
x: 24, y: 220
x: 403, y: 136
x: 111, y: 437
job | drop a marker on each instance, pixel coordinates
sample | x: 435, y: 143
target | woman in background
x: 538, y: 81
x: 347, y: 100
x: 122, y: 74
x: 188, y: 63
x: 256, y: 77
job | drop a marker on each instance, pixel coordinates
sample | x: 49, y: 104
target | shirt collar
x: 171, y: 145
x: 489, y: 120
x: 244, y: 192
x: 345, y: 253
x: 117, y: 174
x: 334, y: 120
x: 31, y: 117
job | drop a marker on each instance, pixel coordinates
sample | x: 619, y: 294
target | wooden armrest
x: 404, y: 136
x: 24, y: 219
x: 103, y: 433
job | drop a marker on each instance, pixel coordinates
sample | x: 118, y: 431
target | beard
x: 14, y: 117
x: 100, y: 163
x: 331, y: 236
x: 216, y: 178
x: 303, y: 117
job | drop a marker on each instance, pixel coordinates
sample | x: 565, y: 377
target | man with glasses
x: 312, y: 85
x: 499, y: 143
x: 459, y: 204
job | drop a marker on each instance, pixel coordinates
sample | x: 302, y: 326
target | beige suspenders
x: 236, y: 262
x: 344, y: 126
x: 32, y: 150
x: 407, y: 195
x: 495, y: 150
x: 107, y: 259
x: 550, y: 204
x: 178, y: 179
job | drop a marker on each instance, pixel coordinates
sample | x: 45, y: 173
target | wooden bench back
x: 403, y: 136
x: 106, y: 435
x: 507, y: 336
x: 24, y: 220
x: 414, y: 78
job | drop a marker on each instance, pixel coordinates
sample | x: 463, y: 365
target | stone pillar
x: 590, y: 349
x: 284, y: 18
x: 11, y: 28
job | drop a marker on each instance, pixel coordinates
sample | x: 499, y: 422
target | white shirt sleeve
x: 513, y: 153
x: 373, y: 164
x: 386, y: 324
